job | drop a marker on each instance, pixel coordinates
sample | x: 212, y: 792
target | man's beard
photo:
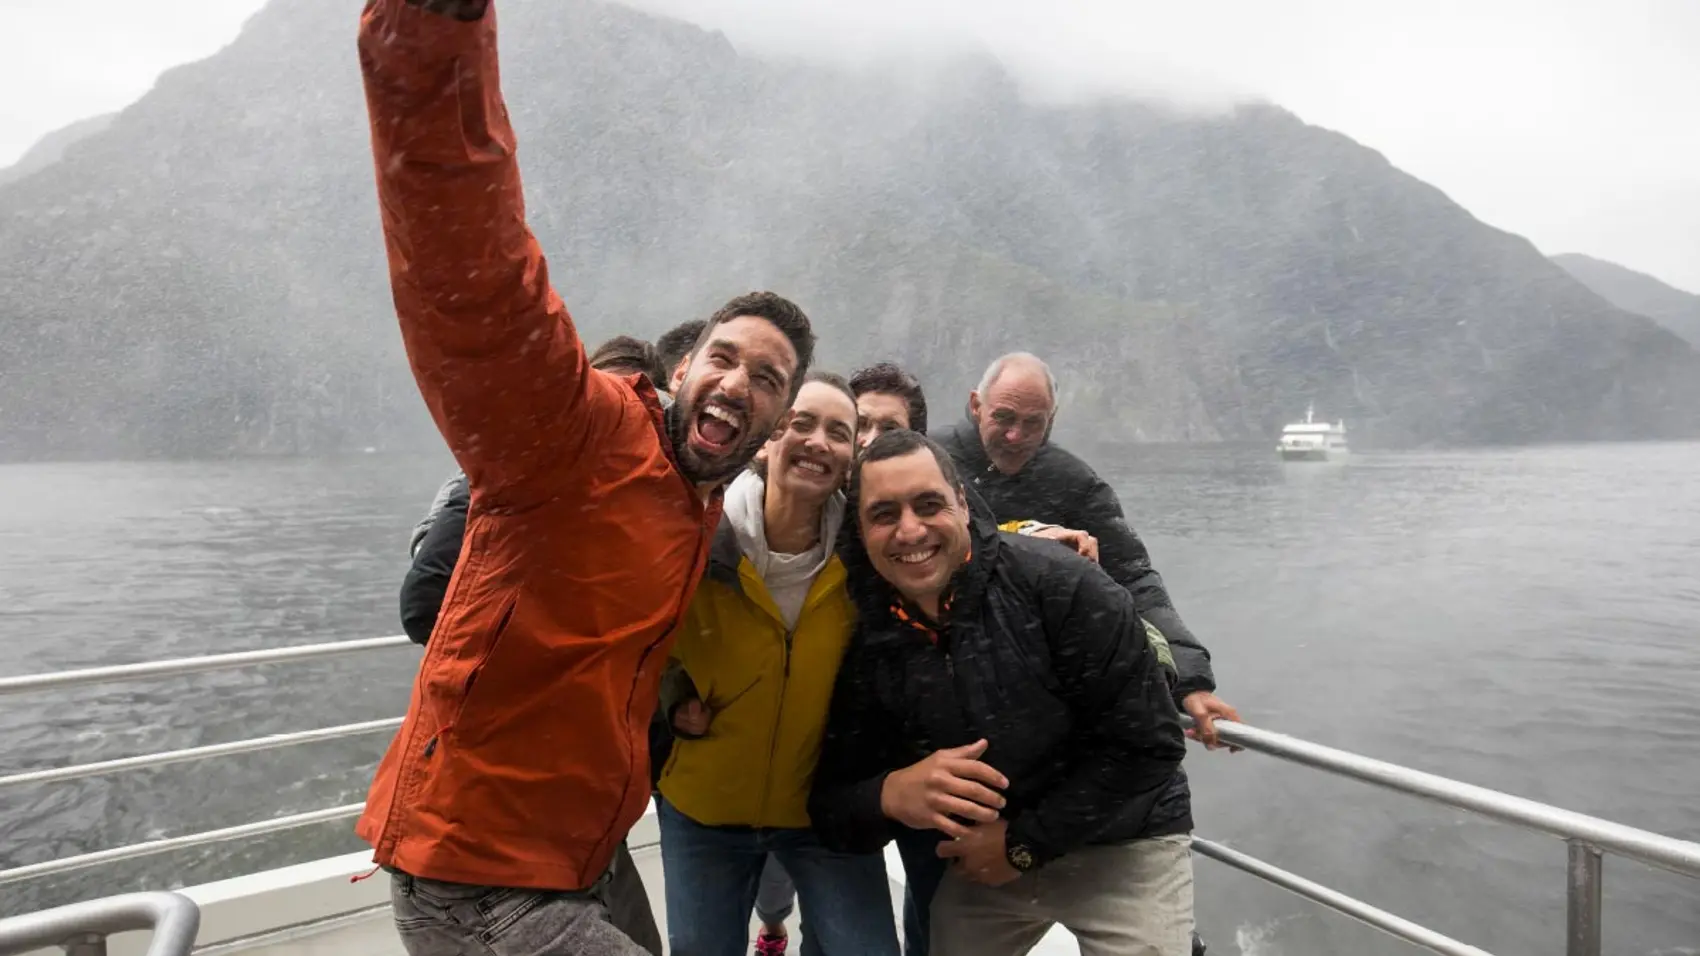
x: 696, y: 469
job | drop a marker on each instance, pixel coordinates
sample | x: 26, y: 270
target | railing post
x: 1583, y: 900
x: 87, y: 944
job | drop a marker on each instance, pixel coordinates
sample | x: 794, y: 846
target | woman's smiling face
x: 811, y: 455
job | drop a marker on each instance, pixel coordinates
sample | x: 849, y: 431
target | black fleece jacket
x: 1058, y: 488
x: 1044, y: 656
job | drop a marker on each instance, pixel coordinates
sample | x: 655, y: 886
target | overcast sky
x: 1573, y: 122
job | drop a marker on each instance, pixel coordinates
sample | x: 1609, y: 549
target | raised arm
x: 1124, y: 556
x: 1129, y: 741
x: 492, y: 347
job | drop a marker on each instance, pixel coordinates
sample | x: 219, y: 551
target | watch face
x: 1021, y: 858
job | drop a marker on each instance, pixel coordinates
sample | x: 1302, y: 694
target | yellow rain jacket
x: 766, y: 686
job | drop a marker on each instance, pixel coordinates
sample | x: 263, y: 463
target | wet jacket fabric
x: 453, y: 494
x: 1041, y: 654
x: 436, y: 551
x: 435, y: 547
x: 1058, y: 488
x: 767, y: 686
x: 522, y: 761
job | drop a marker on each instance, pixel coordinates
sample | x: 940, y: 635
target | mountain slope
x: 1637, y: 292
x: 51, y: 147
x: 206, y: 276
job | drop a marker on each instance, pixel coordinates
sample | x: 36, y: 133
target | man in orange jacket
x: 523, y: 759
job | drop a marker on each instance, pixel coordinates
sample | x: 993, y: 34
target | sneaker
x: 771, y: 945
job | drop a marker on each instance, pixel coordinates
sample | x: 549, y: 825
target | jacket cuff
x: 428, y: 29
x: 850, y: 820
x: 1192, y: 685
x: 465, y: 11
x: 865, y: 806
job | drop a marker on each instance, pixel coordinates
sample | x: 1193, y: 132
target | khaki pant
x: 1126, y: 899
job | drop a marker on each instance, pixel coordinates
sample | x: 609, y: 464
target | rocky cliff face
x: 206, y: 275
x: 1637, y: 292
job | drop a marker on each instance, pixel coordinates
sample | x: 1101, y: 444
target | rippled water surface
x: 1523, y: 619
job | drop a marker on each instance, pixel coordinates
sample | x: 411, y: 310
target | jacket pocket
x: 470, y: 684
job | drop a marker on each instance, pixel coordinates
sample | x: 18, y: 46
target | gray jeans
x: 612, y: 918
x: 1124, y: 899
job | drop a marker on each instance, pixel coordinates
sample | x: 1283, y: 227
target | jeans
x: 923, y: 869
x: 777, y: 895
x: 612, y: 918
x: 713, y: 874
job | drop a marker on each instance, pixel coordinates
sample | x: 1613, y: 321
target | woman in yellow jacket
x: 762, y: 643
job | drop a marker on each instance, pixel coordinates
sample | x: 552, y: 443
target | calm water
x: 1528, y: 620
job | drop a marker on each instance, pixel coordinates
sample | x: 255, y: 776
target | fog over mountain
x: 205, y: 276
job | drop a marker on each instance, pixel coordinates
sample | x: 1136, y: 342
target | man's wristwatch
x: 1019, y: 856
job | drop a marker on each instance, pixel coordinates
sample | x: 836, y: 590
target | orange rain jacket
x: 523, y: 760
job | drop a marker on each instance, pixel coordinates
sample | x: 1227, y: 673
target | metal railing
x: 1588, y: 838
x: 81, y: 929
x: 58, y: 680
x: 153, y: 670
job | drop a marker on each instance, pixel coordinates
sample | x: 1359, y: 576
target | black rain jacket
x: 1058, y: 488
x: 1042, y: 654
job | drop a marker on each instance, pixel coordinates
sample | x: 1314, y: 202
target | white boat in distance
x: 1311, y: 440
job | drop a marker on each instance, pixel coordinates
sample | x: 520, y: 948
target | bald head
x: 1013, y: 409
x: 1023, y: 365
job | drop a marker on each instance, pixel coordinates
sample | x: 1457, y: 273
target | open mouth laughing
x: 719, y: 428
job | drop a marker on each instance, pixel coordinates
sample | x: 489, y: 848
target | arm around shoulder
x: 1128, y: 561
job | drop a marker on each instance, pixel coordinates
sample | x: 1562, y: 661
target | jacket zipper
x: 697, y: 571
x: 778, y: 721
x: 408, y: 773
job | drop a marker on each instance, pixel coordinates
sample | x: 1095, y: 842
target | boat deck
x: 370, y: 932
x: 319, y: 909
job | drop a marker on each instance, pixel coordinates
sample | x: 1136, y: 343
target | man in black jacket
x: 1004, y: 452
x: 1002, y: 692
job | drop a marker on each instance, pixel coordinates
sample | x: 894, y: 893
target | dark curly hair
x: 887, y: 379
x: 678, y: 341
x: 785, y: 316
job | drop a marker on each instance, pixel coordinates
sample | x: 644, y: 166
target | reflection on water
x: 1528, y: 620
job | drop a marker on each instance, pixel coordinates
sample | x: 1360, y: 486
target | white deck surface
x: 373, y: 934
x: 317, y: 909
